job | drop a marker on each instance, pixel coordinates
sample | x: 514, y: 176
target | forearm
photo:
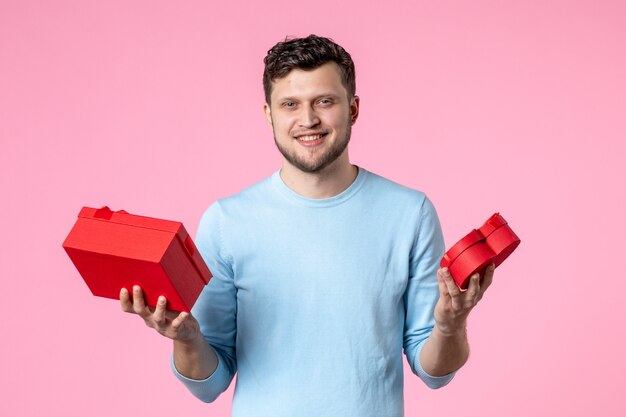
x: 444, y: 352
x: 195, y: 359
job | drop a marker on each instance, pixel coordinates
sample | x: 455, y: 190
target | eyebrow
x: 331, y: 95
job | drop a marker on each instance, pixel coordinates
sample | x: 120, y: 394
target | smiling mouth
x: 310, y: 138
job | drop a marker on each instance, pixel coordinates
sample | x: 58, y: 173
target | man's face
x: 311, y: 117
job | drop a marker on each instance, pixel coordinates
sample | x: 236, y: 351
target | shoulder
x: 412, y: 206
x: 240, y: 205
x: 391, y: 192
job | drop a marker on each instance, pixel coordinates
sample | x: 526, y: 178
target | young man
x: 323, y: 272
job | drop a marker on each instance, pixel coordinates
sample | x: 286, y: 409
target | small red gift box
x: 115, y: 250
x: 492, y: 243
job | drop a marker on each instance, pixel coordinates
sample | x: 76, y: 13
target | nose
x: 308, y: 117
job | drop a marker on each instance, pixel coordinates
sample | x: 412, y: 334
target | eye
x: 289, y: 104
x: 326, y: 102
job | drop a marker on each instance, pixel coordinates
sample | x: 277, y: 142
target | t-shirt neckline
x: 340, y: 198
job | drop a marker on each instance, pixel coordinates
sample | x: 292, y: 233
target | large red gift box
x: 115, y: 250
x: 492, y: 243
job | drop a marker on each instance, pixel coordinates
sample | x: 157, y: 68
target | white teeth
x: 309, y: 138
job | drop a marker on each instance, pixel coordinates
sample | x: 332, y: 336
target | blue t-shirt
x: 312, y: 300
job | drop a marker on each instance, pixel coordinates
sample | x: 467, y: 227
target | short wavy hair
x: 307, y: 54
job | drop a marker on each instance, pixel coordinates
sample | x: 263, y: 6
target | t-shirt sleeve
x: 422, y: 291
x: 216, y: 308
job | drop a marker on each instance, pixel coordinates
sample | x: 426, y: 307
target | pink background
x: 156, y: 107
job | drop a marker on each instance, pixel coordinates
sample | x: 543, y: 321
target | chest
x: 330, y: 259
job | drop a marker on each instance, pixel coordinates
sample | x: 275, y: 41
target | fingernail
x: 492, y: 267
x: 161, y: 300
x: 446, y: 272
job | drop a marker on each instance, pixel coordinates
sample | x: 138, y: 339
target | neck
x: 331, y: 181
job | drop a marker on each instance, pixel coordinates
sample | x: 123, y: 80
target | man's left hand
x: 454, y: 305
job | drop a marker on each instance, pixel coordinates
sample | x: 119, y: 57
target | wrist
x: 195, y: 358
x: 451, y: 331
x: 191, y: 343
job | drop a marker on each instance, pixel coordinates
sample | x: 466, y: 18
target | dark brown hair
x: 306, y: 53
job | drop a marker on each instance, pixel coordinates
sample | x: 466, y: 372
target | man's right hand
x: 182, y: 326
x: 193, y: 356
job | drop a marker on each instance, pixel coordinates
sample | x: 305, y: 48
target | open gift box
x: 492, y: 243
x: 115, y: 250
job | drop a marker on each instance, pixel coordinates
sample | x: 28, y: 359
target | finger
x: 452, y: 289
x: 178, y: 321
x: 159, y: 312
x: 473, y: 291
x: 487, y: 280
x: 139, y: 304
x: 443, y: 289
x: 125, y: 303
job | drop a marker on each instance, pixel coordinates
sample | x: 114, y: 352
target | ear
x: 268, y: 113
x: 354, y: 108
